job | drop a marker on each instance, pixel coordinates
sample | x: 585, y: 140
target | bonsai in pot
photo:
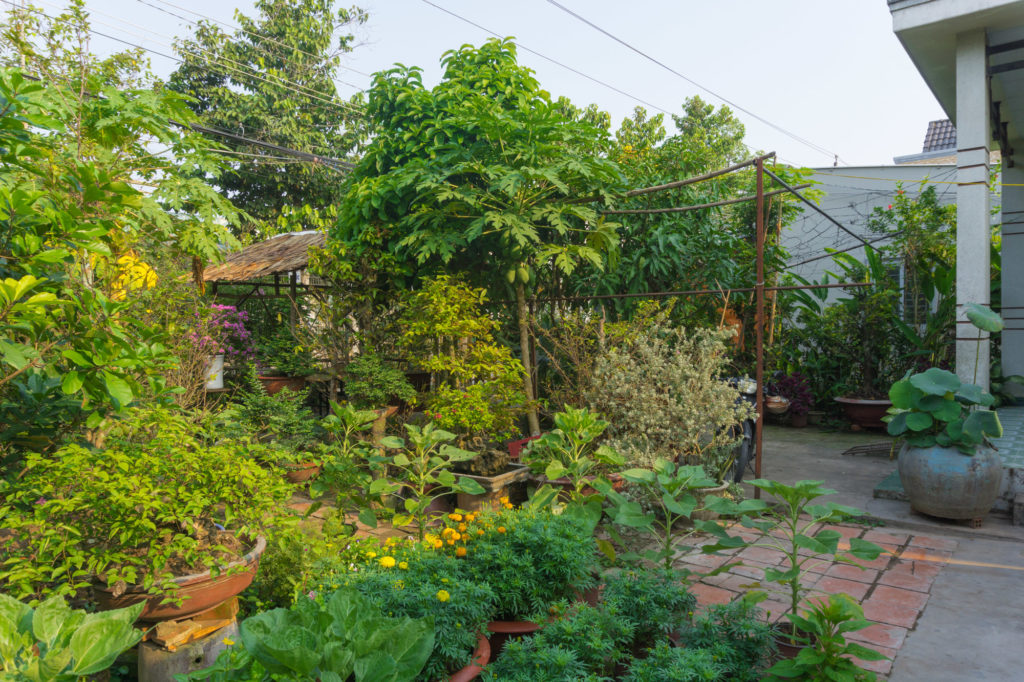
x: 946, y: 464
x: 372, y: 384
x: 159, y: 514
x: 282, y: 361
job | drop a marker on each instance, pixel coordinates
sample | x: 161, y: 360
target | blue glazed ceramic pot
x: 946, y: 483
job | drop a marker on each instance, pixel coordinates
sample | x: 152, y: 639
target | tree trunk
x: 524, y: 348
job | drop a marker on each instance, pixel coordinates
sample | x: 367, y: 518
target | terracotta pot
x: 565, y: 483
x: 300, y: 473
x: 798, y: 421
x: 200, y: 591
x: 700, y: 494
x: 945, y: 482
x: 515, y: 447
x: 815, y: 417
x: 481, y: 656
x: 865, y: 413
x: 784, y: 644
x: 273, y: 384
x: 504, y: 630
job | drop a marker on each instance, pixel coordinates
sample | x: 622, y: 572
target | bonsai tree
x: 372, y: 384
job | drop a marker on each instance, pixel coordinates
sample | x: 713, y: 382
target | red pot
x: 515, y: 447
x: 200, y: 591
x: 504, y: 630
x: 275, y: 383
x: 300, y: 473
x: 481, y: 656
x: 865, y: 413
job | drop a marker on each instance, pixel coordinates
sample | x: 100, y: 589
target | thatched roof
x: 276, y: 256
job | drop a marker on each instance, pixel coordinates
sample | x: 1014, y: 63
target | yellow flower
x: 228, y: 641
x: 465, y: 536
x: 501, y: 529
x: 461, y: 551
x: 404, y: 565
x: 503, y: 499
x: 442, y: 595
x: 470, y: 518
x: 387, y: 561
x: 462, y: 528
x: 438, y: 544
x: 455, y: 517
x: 479, y: 531
x: 451, y: 541
x: 371, y: 555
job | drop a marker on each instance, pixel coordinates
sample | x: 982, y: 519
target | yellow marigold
x: 451, y: 541
x: 387, y: 561
x: 442, y: 595
x: 470, y: 518
x: 404, y: 565
x: 371, y: 555
x: 462, y: 528
x: 227, y: 641
x: 479, y: 531
x: 449, y: 532
x: 461, y: 551
x: 430, y: 538
x: 455, y: 517
x: 438, y: 544
x: 503, y: 499
x: 501, y: 529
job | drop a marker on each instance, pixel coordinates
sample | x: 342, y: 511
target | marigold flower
x: 451, y: 541
x: 461, y: 551
x: 227, y: 641
x: 371, y: 555
x: 438, y: 544
x: 501, y: 529
x: 462, y: 528
x: 479, y: 531
x: 455, y: 517
x: 442, y: 595
x: 387, y: 561
x: 404, y: 565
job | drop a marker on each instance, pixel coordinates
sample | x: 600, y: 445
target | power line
x: 804, y: 141
x: 546, y: 58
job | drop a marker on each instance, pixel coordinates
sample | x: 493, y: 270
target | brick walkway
x: 893, y: 589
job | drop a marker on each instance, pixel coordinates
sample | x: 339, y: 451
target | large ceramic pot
x: 215, y: 373
x: 302, y: 472
x: 946, y: 483
x: 481, y: 657
x: 199, y: 591
x: 273, y: 384
x: 503, y: 630
x: 865, y: 413
x: 700, y: 494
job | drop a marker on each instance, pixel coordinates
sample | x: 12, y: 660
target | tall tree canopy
x: 483, y: 174
x: 273, y: 80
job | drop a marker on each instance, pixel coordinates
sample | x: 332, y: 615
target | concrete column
x: 1013, y: 272
x: 972, y: 197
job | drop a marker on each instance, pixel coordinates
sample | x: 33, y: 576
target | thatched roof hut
x: 281, y: 255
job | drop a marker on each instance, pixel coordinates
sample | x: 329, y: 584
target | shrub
x: 664, y: 397
x: 532, y: 559
x: 745, y: 642
x: 141, y: 510
x: 654, y: 600
x: 598, y: 637
x: 679, y: 665
x: 527, y: 660
x: 371, y: 384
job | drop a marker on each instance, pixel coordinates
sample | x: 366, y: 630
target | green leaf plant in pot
x: 946, y: 464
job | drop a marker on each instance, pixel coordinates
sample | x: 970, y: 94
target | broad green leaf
x: 935, y: 381
x: 95, y: 645
x: 919, y: 421
x: 984, y: 318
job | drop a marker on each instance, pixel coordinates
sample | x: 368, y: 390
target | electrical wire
x: 794, y: 136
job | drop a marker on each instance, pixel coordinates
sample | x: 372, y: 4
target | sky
x: 829, y: 72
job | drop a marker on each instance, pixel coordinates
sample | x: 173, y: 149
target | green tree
x: 485, y: 175
x: 273, y: 80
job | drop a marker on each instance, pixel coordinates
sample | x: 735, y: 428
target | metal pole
x: 759, y: 227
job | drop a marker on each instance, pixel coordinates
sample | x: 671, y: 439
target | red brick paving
x: 893, y: 589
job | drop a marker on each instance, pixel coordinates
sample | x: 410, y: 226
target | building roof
x: 276, y: 256
x: 941, y: 135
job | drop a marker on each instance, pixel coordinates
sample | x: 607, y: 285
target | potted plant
x: 371, y: 384
x: 742, y: 625
x: 569, y: 457
x: 282, y: 361
x: 499, y: 477
x: 228, y: 339
x: 946, y: 465
x: 411, y: 580
x: 654, y: 600
x: 797, y: 390
x: 161, y: 514
x: 531, y: 558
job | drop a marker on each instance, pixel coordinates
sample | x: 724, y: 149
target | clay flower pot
x: 504, y: 630
x: 273, y: 384
x: 481, y: 657
x: 864, y: 413
x: 300, y: 473
x: 199, y: 591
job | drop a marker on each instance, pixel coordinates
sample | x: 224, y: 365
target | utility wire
x: 804, y: 141
x: 546, y: 58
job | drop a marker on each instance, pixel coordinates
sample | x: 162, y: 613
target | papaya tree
x: 484, y: 175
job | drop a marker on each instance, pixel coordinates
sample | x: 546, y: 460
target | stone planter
x: 700, y: 494
x: 495, y: 487
x: 199, y: 591
x: 867, y: 414
x: 946, y: 483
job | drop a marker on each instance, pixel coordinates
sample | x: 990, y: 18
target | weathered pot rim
x: 512, y: 627
x: 481, y: 657
x: 182, y: 581
x: 862, y: 401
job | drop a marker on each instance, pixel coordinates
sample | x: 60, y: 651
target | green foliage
x: 673, y: 489
x: 281, y: 354
x: 680, y: 665
x: 280, y: 421
x: 527, y: 660
x: 369, y: 383
x: 273, y: 79
x: 823, y: 626
x: 597, y: 636
x: 742, y: 641
x: 344, y: 636
x: 934, y: 408
x: 412, y: 591
x: 478, y: 382
x: 787, y: 527
x: 664, y: 397
x: 531, y: 558
x: 422, y: 471
x: 656, y: 602
x: 141, y: 510
x: 347, y: 459
x: 571, y: 450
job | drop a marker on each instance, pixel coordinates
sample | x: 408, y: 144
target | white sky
x: 829, y: 71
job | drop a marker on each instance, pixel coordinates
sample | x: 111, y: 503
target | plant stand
x: 181, y: 647
x: 495, y: 488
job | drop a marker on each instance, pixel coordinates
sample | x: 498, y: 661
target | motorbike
x: 743, y: 456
